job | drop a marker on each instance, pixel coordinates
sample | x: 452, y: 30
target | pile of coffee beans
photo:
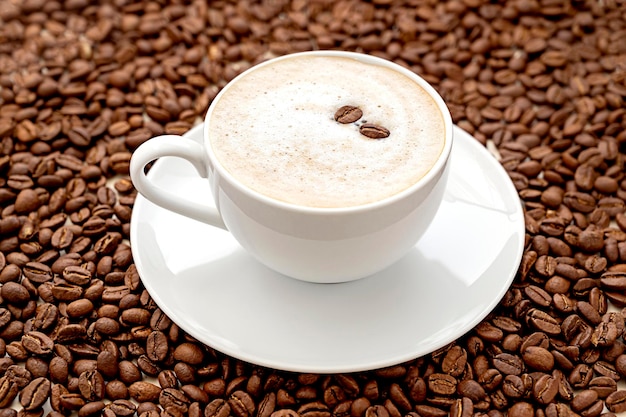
x: 83, y: 83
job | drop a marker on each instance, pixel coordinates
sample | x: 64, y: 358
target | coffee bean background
x: 542, y: 83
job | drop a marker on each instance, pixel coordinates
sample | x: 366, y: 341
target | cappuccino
x: 276, y: 131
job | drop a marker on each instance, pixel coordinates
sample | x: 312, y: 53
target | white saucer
x: 207, y: 284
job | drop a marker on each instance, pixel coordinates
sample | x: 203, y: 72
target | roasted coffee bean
x: 9, y: 390
x: 241, y: 404
x: 584, y: 400
x: 442, y: 384
x: 77, y: 275
x: 116, y: 390
x: 37, y: 272
x: 122, y: 407
x: 472, y: 390
x: 580, y: 376
x: 543, y: 321
x: 348, y: 114
x: 545, y: 389
x: 616, y: 401
x: 538, y: 358
x: 508, y: 364
x: 91, y: 408
x: 143, y: 391
x: 59, y: 370
x: 374, y: 131
x: 91, y: 385
x: 174, y: 399
x: 37, y: 343
x: 14, y: 293
x: 423, y: 410
x: 489, y: 332
x: 189, y: 353
x: 35, y: 394
x: 219, y: 408
x: 603, y: 385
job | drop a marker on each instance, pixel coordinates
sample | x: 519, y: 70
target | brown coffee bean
x: 91, y: 408
x: 143, y: 391
x: 267, y: 405
x: 472, y: 390
x: 442, y: 384
x: 422, y: 410
x: 37, y: 272
x: 157, y: 346
x: 116, y: 390
x: 616, y: 401
x: 122, y: 407
x: 508, y: 364
x: 241, y: 404
x: 9, y: 390
x: 538, y: 358
x: 538, y: 295
x: 348, y: 114
x: 373, y: 131
x: 135, y: 316
x: 542, y: 321
x: 91, y: 385
x: 35, y: 394
x: 462, y: 407
x: 545, y: 389
x: 489, y: 332
x: 174, y: 399
x: 14, y: 293
x: 455, y: 361
x: 220, y: 408
x: 37, y: 343
x: 189, y: 353
x: 79, y: 308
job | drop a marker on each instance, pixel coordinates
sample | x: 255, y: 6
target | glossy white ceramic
x: 322, y: 245
x: 213, y: 289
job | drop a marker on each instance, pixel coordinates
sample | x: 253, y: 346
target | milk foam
x: 274, y: 131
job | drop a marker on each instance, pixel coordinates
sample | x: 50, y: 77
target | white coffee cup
x: 316, y: 244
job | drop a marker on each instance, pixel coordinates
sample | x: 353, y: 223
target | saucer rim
x: 508, y: 189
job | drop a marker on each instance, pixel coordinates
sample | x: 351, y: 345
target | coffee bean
x: 122, y: 407
x: 220, y: 408
x: 538, y: 358
x: 373, y: 131
x: 9, y: 390
x: 241, y: 404
x: 35, y: 394
x: 142, y: 391
x: 348, y: 114
x: 157, y: 346
x: 91, y: 385
x: 37, y: 343
x: 189, y: 353
x: 616, y: 401
x: 545, y: 389
x: 426, y: 411
x: 14, y: 293
x: 472, y: 390
x: 543, y: 321
x: 442, y: 384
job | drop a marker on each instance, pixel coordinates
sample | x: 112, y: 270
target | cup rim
x: 431, y: 175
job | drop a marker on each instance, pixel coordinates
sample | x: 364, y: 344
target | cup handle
x: 181, y: 147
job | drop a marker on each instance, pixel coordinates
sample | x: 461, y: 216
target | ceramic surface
x: 205, y: 282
